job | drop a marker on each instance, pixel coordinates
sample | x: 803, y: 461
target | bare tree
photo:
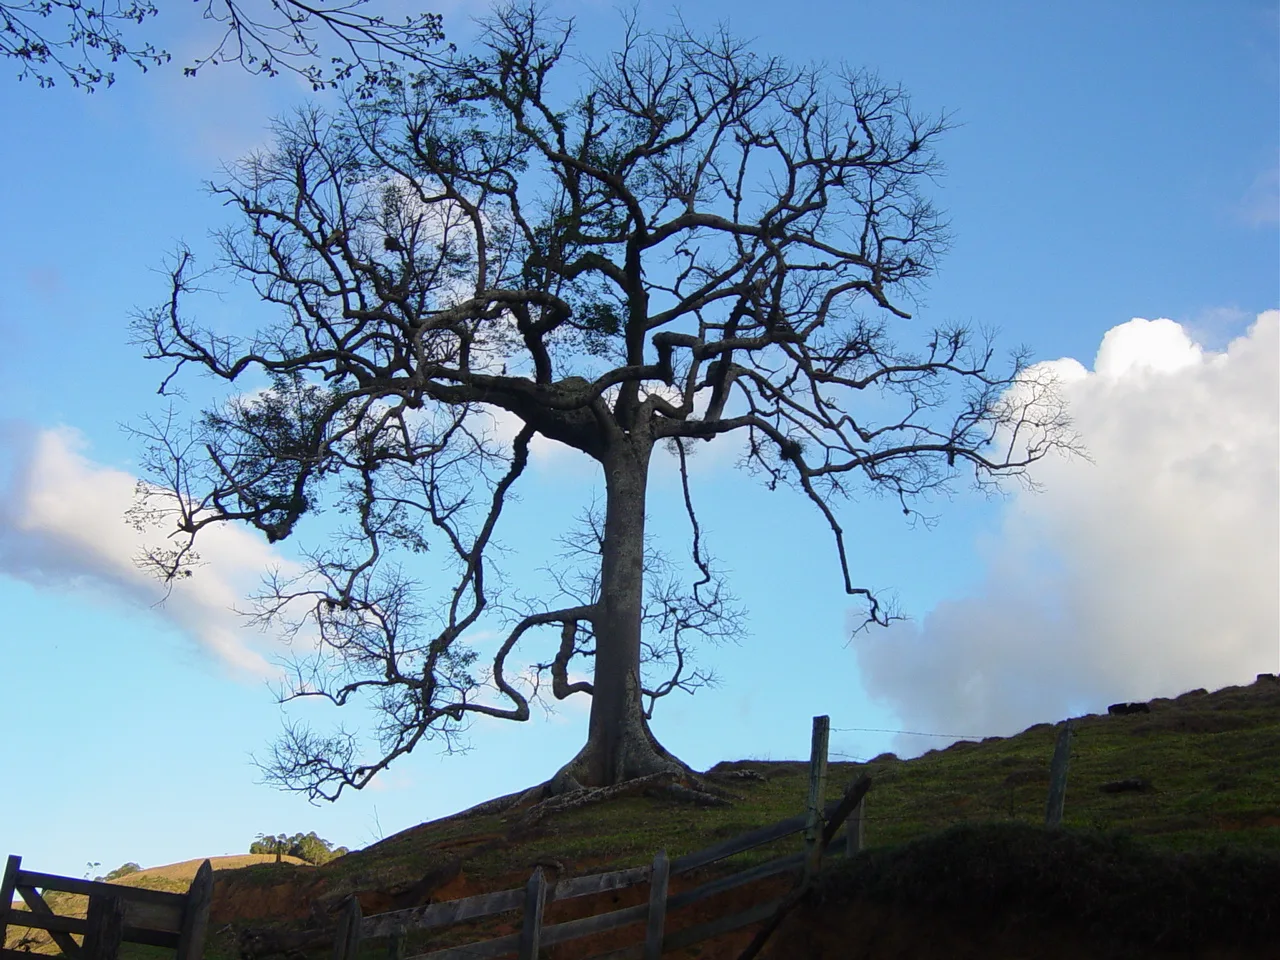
x: 700, y: 241
x: 263, y: 36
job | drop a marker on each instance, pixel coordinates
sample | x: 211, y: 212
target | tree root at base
x: 563, y: 792
x: 669, y: 784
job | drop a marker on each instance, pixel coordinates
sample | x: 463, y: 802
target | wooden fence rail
x: 116, y: 914
x: 819, y: 822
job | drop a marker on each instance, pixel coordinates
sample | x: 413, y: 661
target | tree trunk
x: 619, y: 744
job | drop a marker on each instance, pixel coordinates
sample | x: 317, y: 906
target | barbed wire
x: 847, y: 756
x: 910, y: 733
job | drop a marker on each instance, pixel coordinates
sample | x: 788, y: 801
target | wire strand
x: 910, y: 733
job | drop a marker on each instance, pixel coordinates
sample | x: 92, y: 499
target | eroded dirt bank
x: 871, y: 931
x: 1006, y: 891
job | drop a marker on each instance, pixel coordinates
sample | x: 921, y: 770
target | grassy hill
x: 177, y: 877
x: 954, y: 849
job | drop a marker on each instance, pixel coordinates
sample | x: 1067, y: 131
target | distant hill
x: 178, y: 876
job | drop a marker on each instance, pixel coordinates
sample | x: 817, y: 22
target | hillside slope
x: 954, y: 856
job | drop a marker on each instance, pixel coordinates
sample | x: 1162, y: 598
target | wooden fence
x: 116, y: 913
x: 819, y: 824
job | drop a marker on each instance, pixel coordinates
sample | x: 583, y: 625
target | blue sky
x: 1109, y: 162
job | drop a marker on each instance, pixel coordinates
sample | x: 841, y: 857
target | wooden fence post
x: 346, y: 942
x: 855, y: 837
x: 195, y: 914
x: 7, y: 889
x: 106, y: 927
x: 395, y: 946
x: 534, y: 900
x: 658, y: 878
x: 817, y: 793
x: 1058, y: 777
x: 852, y: 797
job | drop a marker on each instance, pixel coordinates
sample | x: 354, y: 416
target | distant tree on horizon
x: 304, y: 846
x: 75, y: 39
x: 684, y: 241
x: 121, y: 871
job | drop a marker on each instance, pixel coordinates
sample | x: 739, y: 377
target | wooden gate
x: 116, y: 914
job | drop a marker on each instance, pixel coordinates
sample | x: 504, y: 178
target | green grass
x: 1213, y: 761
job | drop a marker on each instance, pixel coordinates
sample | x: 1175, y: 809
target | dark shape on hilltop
x: 701, y: 241
x: 1123, y: 709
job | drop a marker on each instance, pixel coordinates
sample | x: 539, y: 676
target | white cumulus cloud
x: 1148, y: 572
x: 62, y: 527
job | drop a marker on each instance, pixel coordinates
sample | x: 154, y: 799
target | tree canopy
x: 304, y: 846
x: 677, y: 242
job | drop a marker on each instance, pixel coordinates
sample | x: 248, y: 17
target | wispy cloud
x: 1260, y: 205
x: 1148, y: 572
x: 63, y: 528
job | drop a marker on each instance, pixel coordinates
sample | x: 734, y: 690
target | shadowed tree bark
x: 680, y: 241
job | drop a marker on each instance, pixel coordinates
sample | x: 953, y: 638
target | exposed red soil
x: 290, y: 899
x: 1248, y: 823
